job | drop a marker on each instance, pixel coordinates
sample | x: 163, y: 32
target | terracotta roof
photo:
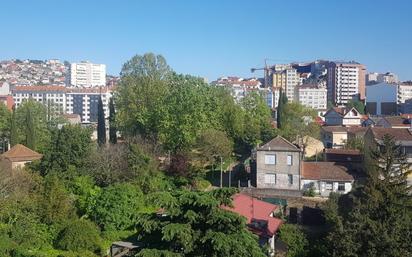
x: 335, y: 128
x: 357, y: 129
x: 329, y: 171
x: 38, y: 88
x: 253, y: 209
x: 342, y: 111
x: 398, y: 134
x: 90, y: 90
x: 21, y: 153
x: 8, y: 101
x: 279, y: 143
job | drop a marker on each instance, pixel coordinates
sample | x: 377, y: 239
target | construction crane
x: 266, y: 72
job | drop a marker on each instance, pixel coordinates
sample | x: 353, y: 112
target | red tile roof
x: 21, y: 153
x: 327, y: 171
x: 7, y: 100
x: 39, y: 88
x: 254, y: 209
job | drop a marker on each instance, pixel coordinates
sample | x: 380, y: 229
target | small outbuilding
x: 18, y: 156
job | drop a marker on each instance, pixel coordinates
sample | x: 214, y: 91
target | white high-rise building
x: 313, y: 96
x: 87, y: 74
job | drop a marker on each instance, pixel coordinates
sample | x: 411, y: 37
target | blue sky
x: 211, y: 38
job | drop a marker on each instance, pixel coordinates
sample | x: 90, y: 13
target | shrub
x: 79, y: 235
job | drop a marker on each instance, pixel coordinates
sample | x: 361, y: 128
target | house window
x: 290, y: 179
x: 341, y: 186
x: 270, y: 178
x: 329, y: 185
x: 270, y: 159
x: 290, y: 160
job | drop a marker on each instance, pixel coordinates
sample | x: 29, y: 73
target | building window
x: 290, y: 160
x: 341, y: 186
x: 290, y: 179
x: 270, y: 178
x: 329, y: 186
x: 270, y: 159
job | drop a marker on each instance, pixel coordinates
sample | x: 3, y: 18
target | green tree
x: 112, y: 123
x: 79, y: 234
x: 357, y: 104
x: 34, y: 113
x: 380, y: 210
x: 298, y: 122
x: 5, y: 124
x: 295, y: 239
x: 70, y: 148
x: 117, y: 206
x: 14, y: 137
x: 101, y: 124
x: 212, y: 144
x: 193, y: 224
x: 149, y: 66
x: 30, y: 131
x: 355, y: 143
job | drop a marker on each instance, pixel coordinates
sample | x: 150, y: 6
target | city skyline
x: 211, y: 39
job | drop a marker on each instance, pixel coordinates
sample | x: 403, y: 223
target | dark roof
x: 279, y: 144
x: 329, y: 171
x: 335, y: 128
x: 399, y: 134
x: 397, y: 121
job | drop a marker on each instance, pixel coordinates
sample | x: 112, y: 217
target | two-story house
x: 278, y: 165
x: 342, y: 116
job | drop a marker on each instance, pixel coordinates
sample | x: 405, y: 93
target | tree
x: 101, y: 124
x: 117, y: 206
x: 355, y: 143
x: 298, y: 122
x: 112, y: 123
x: 295, y: 239
x: 380, y: 210
x: 70, y: 147
x: 193, y: 224
x: 14, y: 137
x: 149, y: 66
x: 30, y: 131
x: 79, y: 234
x: 5, y: 118
x: 358, y: 105
x: 212, y: 144
x: 279, y: 109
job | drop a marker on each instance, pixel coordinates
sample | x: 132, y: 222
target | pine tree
x: 376, y: 219
x: 101, y: 124
x: 30, y: 131
x: 14, y: 137
x: 112, y: 123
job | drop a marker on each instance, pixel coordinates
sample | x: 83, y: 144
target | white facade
x: 313, y: 97
x: 81, y: 101
x: 87, y: 74
x: 49, y: 95
x: 379, y: 95
x: 4, y: 88
x: 324, y: 188
x: 404, y: 92
x: 347, y: 83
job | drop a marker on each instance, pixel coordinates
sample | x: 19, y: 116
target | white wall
x: 380, y: 93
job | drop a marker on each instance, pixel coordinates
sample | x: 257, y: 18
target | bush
x: 79, y: 235
x: 310, y: 192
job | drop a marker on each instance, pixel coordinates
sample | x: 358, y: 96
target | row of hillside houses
x: 280, y: 165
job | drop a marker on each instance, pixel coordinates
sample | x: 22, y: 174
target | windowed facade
x: 290, y: 179
x: 290, y: 160
x: 270, y: 178
x: 270, y: 159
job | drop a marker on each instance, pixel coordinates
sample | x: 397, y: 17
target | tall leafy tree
x: 148, y: 65
x: 30, y: 131
x: 5, y: 119
x: 101, y: 123
x: 193, y: 224
x: 376, y: 219
x: 112, y: 123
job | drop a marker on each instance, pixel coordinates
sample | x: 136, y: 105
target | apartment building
x: 287, y: 78
x: 48, y: 95
x: 81, y: 101
x: 84, y: 102
x: 346, y: 81
x: 313, y: 96
x: 87, y: 74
